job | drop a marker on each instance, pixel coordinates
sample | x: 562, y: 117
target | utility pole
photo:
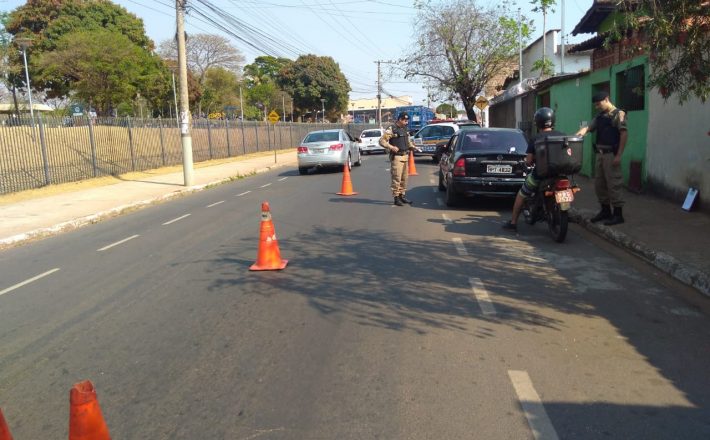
x: 562, y: 39
x: 24, y: 43
x: 379, y: 95
x: 187, y: 168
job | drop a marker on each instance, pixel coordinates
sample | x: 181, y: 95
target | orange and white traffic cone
x: 269, y: 256
x: 85, y: 419
x: 411, y: 168
x: 4, y: 430
x: 346, y: 189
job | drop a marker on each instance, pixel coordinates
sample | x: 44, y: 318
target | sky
x: 356, y: 33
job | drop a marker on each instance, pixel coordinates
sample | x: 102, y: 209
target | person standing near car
x: 610, y: 125
x: 397, y: 143
x: 545, y: 123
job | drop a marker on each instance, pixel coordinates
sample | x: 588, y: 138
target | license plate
x: 499, y: 169
x: 429, y: 148
x: 417, y: 141
x: 566, y: 196
x: 318, y: 150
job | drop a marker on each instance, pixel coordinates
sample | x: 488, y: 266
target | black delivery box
x: 558, y: 155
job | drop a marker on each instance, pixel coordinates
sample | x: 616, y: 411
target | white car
x: 327, y: 148
x: 370, y: 141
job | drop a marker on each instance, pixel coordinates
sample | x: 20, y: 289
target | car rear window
x: 497, y: 141
x: 371, y: 134
x: 325, y: 136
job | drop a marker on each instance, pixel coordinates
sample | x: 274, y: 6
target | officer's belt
x: 603, y: 149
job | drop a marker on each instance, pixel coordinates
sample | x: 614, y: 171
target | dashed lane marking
x: 538, y: 420
x: 282, y: 179
x: 176, y: 219
x: 460, y: 248
x: 215, y: 204
x: 264, y: 186
x: 244, y: 193
x: 24, y: 283
x: 481, y: 294
x: 117, y: 243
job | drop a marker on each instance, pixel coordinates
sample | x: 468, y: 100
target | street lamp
x: 24, y: 43
x: 322, y: 101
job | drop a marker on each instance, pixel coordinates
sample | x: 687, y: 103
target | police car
x: 432, y: 136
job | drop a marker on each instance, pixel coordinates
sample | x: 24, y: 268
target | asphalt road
x: 418, y: 322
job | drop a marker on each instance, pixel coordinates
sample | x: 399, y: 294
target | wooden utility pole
x: 184, y: 116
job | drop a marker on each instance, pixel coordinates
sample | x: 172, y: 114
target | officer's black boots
x: 615, y: 219
x: 604, y: 214
x: 398, y: 201
x: 405, y: 200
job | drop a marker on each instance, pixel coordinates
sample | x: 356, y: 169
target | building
x: 365, y: 110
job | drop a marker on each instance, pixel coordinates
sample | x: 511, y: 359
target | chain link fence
x: 52, y: 150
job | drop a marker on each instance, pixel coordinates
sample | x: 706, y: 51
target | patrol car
x: 434, y: 135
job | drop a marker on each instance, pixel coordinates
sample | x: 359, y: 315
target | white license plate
x: 499, y: 169
x: 318, y: 150
x: 566, y: 196
x: 429, y: 148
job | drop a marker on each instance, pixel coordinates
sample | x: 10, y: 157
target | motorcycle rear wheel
x: 557, y: 221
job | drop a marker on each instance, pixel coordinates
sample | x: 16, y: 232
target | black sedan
x: 483, y: 162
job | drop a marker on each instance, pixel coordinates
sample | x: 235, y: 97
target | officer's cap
x: 599, y: 96
x: 402, y: 115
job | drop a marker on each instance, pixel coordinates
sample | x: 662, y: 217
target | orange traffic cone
x: 411, y: 168
x: 85, y: 419
x: 346, y: 189
x: 4, y: 430
x: 269, y: 257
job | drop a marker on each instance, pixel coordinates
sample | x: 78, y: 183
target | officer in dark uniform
x: 610, y: 125
x: 397, y: 142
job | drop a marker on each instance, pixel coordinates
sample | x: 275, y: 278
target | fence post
x: 244, y: 142
x: 209, y: 136
x: 281, y: 141
x: 130, y: 143
x: 92, y: 143
x: 256, y: 130
x: 226, y: 128
x: 43, y: 146
x: 162, y: 141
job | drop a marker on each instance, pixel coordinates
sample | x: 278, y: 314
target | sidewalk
x: 675, y: 241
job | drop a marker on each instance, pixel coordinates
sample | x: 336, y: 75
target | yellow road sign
x: 481, y: 102
x: 274, y: 117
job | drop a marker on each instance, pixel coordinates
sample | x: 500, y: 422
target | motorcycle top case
x: 558, y: 155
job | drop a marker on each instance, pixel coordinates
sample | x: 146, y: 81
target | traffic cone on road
x: 346, y: 189
x: 268, y: 257
x: 411, y: 168
x: 4, y: 430
x: 85, y: 419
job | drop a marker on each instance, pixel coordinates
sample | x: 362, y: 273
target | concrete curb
x: 70, y: 225
x: 661, y: 260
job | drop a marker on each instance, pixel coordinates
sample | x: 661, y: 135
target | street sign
x: 481, y: 103
x: 274, y: 117
x: 77, y: 110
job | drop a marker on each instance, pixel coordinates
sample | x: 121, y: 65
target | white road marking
x: 439, y: 201
x: 538, y: 420
x: 264, y: 186
x: 447, y: 220
x: 481, y: 294
x: 118, y: 242
x: 282, y: 179
x: 176, y: 219
x: 245, y: 192
x: 215, y: 204
x: 18, y: 285
x: 460, y: 248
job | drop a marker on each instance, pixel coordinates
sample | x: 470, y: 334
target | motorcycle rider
x: 545, y: 123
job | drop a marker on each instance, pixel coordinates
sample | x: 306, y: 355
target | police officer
x: 397, y: 142
x: 610, y: 125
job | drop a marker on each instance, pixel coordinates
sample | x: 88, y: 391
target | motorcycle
x: 550, y: 204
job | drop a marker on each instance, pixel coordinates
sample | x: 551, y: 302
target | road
x: 418, y: 322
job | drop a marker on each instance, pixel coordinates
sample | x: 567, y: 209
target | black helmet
x: 544, y: 117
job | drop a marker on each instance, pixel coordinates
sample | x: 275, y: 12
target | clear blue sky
x: 355, y: 33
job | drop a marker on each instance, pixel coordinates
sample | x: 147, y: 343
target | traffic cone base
x: 4, y: 430
x: 411, y: 167
x: 346, y: 189
x: 268, y: 256
x: 85, y: 419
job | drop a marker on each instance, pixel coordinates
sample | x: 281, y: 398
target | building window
x: 631, y: 89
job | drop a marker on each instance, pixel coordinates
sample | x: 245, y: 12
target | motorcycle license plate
x: 565, y: 196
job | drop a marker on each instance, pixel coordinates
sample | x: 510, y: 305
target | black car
x: 483, y: 162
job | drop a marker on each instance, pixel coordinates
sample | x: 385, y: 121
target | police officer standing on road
x: 610, y: 125
x: 397, y: 142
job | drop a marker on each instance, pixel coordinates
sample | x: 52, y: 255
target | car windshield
x: 322, y: 136
x: 497, y: 141
x: 371, y: 134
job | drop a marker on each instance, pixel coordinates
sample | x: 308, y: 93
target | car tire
x: 359, y: 160
x: 452, y: 199
x: 441, y: 181
x: 302, y: 170
x: 349, y: 162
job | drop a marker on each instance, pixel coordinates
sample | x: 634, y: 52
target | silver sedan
x: 328, y: 148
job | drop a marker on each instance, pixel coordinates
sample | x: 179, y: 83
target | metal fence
x: 51, y: 150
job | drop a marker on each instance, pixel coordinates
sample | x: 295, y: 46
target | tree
x: 676, y: 35
x: 462, y: 47
x: 543, y: 6
x: 311, y: 78
x: 264, y: 69
x: 205, y: 51
x: 221, y: 89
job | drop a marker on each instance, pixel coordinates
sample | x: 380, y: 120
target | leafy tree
x: 543, y: 6
x: 221, y: 89
x: 462, y: 47
x: 676, y: 35
x: 264, y: 69
x: 311, y: 78
x: 545, y: 66
x: 446, y: 109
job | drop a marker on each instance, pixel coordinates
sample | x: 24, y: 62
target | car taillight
x: 562, y: 184
x: 336, y: 147
x: 460, y: 167
x: 302, y: 149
